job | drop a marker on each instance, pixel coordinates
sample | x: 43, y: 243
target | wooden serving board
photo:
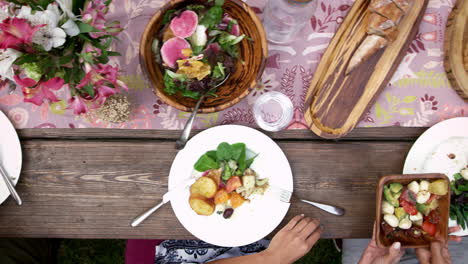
x: 456, y: 48
x: 338, y: 101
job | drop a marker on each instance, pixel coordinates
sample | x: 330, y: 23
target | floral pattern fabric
x: 197, y: 251
x: 419, y: 94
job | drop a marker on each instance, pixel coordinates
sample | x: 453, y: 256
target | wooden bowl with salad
x: 190, y: 46
x: 412, y: 209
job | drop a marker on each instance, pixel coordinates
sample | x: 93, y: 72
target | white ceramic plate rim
x: 431, y: 138
x: 10, y: 154
x: 253, y: 221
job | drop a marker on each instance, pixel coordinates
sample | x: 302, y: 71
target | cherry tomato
x: 429, y: 228
x: 409, y: 208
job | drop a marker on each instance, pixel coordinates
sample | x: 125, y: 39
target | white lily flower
x: 49, y: 36
x: 4, y: 14
x: 7, y: 57
x: 67, y: 6
x: 71, y: 28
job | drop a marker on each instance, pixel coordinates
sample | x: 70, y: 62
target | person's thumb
x: 394, y: 254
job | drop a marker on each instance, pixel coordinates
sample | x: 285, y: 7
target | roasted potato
x: 215, y: 175
x: 236, y: 200
x: 204, y: 186
x: 221, y: 196
x: 201, y: 205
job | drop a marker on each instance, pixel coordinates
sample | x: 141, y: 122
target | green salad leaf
x: 168, y: 16
x: 195, y: 7
x: 218, y: 71
x: 231, y: 158
x: 205, y: 162
x: 212, y: 17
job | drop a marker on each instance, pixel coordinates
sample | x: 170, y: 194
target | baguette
x: 382, y: 29
x: 370, y: 45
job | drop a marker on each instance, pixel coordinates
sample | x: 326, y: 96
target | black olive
x: 228, y: 213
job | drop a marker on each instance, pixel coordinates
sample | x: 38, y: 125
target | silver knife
x: 166, y: 198
x: 10, y: 186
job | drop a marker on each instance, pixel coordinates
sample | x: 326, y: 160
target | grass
x: 323, y: 252
x: 91, y: 251
x: 94, y: 251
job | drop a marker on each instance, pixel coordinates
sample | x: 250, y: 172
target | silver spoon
x: 180, y: 143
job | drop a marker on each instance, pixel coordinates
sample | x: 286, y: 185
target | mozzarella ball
x: 416, y: 217
x: 391, y: 220
x: 423, y: 196
x: 387, y: 208
x: 413, y: 186
x: 405, y: 223
x: 424, y: 185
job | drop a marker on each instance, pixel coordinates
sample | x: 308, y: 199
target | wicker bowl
x: 249, y: 67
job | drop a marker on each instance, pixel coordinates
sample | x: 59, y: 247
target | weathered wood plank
x: 379, y: 133
x: 94, y: 188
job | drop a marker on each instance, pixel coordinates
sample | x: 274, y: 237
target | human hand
x: 294, y: 240
x: 438, y: 252
x: 375, y: 255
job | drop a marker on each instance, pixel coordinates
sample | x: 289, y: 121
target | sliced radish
x: 171, y: 50
x: 235, y: 30
x: 185, y: 24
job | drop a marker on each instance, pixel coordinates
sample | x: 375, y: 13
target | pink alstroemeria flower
x: 36, y: 92
x: 16, y: 31
x: 78, y: 105
x: 103, y: 92
x: 93, y: 15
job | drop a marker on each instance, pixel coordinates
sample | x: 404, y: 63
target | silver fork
x: 285, y: 196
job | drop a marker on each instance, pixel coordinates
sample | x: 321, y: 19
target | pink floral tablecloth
x: 419, y: 93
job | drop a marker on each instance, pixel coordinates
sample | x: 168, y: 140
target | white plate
x: 10, y: 154
x: 250, y: 222
x: 428, y: 141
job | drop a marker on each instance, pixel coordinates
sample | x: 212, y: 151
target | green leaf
x: 227, y: 173
x: 191, y: 94
x: 169, y: 85
x: 212, y: 17
x: 26, y: 59
x: 88, y: 89
x: 212, y: 154
x: 205, y: 163
x: 250, y: 161
x: 86, y: 28
x: 218, y: 71
x: 219, y: 2
x: 197, y: 50
x: 113, y: 53
x: 224, y: 151
x: 65, y: 59
x: 195, y: 7
x: 237, y: 150
x: 409, y: 99
x: 168, y: 16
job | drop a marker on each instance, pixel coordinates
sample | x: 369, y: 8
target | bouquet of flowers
x: 49, y: 45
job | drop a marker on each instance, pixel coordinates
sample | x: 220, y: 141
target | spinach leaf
x: 212, y: 154
x: 205, y: 163
x: 212, y: 17
x: 237, y: 150
x: 250, y: 161
x: 224, y: 151
x: 242, y: 163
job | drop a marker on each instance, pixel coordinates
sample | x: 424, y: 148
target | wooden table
x: 90, y: 183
